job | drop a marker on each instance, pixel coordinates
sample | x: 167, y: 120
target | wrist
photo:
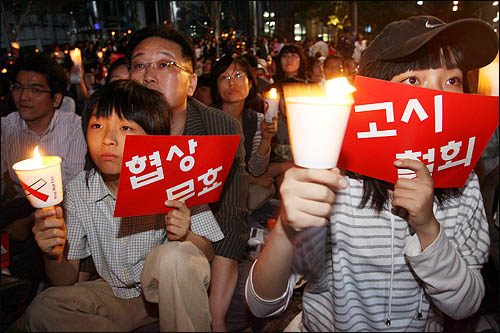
x: 428, y: 233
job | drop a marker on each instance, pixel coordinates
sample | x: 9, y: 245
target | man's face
x: 174, y: 83
x: 36, y: 105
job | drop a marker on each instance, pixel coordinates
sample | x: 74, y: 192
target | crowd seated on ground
x: 276, y: 62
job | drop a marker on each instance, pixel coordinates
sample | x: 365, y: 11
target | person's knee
x: 182, y: 259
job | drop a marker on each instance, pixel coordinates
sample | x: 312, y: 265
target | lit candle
x: 99, y: 54
x: 15, y: 45
x: 76, y: 57
x: 317, y: 121
x: 41, y: 180
x: 271, y: 104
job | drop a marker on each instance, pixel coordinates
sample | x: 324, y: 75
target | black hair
x: 252, y: 59
x: 280, y: 74
x: 162, y: 31
x: 46, y: 66
x: 204, y: 80
x: 435, y: 54
x: 117, y: 63
x: 220, y: 67
x: 129, y: 100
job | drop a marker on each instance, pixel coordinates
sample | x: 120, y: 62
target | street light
x: 455, y: 3
x: 495, y: 3
x: 420, y: 3
x: 455, y: 8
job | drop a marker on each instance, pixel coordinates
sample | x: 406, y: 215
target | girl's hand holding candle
x: 50, y: 231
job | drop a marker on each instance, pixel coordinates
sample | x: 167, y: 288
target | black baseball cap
x: 399, y: 39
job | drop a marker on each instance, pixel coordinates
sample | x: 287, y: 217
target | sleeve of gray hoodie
x: 450, y: 266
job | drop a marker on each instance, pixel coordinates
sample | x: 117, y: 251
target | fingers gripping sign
x: 413, y: 200
x: 178, y: 220
x: 50, y: 232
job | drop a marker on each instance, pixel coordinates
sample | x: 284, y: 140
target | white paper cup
x: 42, y: 185
x: 271, y: 109
x: 316, y: 126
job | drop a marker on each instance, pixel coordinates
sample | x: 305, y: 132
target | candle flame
x: 37, y: 159
x: 336, y: 91
x: 15, y: 45
x: 273, y: 94
x: 99, y: 54
x: 338, y: 87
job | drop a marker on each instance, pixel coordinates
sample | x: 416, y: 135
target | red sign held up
x: 447, y: 131
x: 156, y: 168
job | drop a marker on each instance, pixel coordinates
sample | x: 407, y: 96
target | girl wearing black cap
x: 398, y: 256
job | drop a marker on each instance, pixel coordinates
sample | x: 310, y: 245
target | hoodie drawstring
x: 419, y: 312
x: 388, y: 320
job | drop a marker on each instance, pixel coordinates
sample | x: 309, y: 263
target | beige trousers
x: 176, y: 275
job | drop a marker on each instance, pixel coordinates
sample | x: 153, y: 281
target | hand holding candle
x: 316, y: 126
x: 41, y: 180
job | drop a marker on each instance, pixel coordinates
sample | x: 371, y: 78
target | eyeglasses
x: 18, y: 89
x: 162, y: 65
x: 237, y: 76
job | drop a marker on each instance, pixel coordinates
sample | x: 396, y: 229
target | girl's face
x: 290, y: 62
x: 440, y: 79
x: 233, y: 84
x: 106, y: 139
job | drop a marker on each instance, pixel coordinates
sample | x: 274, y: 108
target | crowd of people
x: 189, y: 270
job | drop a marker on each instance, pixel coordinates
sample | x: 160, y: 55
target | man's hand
x: 308, y: 196
x: 178, y: 220
x: 50, y: 232
x: 416, y: 197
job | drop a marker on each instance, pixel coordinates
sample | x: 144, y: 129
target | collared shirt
x: 63, y: 137
x: 231, y: 208
x: 119, y: 246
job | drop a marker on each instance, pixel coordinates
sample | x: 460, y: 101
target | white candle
x: 317, y: 124
x: 41, y: 179
x: 271, y: 104
x: 76, y: 57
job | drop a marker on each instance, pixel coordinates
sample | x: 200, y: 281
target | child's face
x: 440, y: 79
x: 106, y: 140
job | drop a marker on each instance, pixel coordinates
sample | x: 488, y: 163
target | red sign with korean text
x: 447, y: 131
x: 156, y: 168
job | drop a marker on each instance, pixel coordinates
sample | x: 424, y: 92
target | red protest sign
x: 447, y: 131
x: 156, y: 168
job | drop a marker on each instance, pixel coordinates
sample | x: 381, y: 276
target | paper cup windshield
x: 317, y: 120
x: 41, y: 179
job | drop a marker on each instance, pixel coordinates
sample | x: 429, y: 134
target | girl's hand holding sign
x: 416, y: 196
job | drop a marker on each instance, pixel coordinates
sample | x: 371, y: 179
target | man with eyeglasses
x: 37, y: 90
x: 164, y: 60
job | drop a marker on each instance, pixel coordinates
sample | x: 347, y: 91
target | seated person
x: 37, y: 91
x: 398, y: 256
x: 162, y: 259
